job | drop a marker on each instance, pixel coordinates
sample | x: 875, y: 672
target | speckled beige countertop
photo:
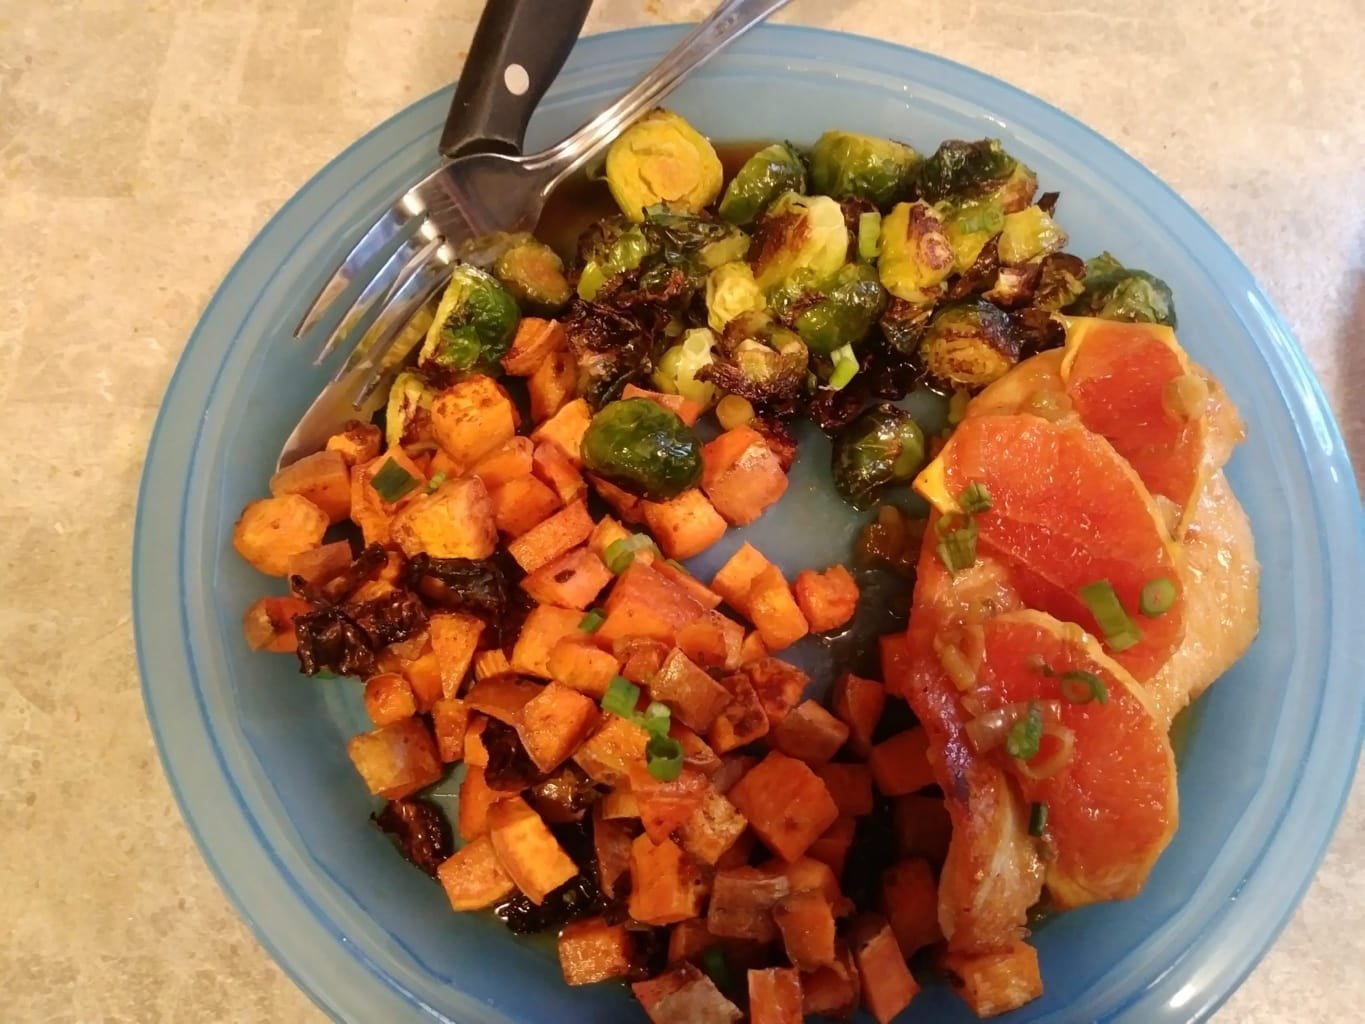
x: 144, y: 142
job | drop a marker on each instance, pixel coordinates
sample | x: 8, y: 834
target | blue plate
x: 256, y: 754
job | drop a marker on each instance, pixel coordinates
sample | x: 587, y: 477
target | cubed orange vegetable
x: 591, y: 951
x: 545, y: 627
x: 580, y: 664
x: 368, y: 510
x: 535, y: 341
x: 833, y: 845
x: 552, y: 383
x: 742, y: 901
x: 741, y: 721
x: 742, y: 476
x: 733, y: 580
x: 573, y: 580
x: 684, y: 995
x: 268, y: 624
x: 527, y: 849
x: 473, y: 878
x: 676, y: 574
x: 458, y: 520
x: 490, y: 663
x: 772, y: 609
x: 712, y: 828
x: 323, y: 478
x: 733, y: 767
x: 449, y: 720
x: 687, y: 940
x: 810, y: 733
x: 454, y: 639
x: 895, y: 655
x: 396, y: 760
x: 619, y: 803
x: 922, y: 826
x: 713, y: 641
x: 612, y: 750
x: 475, y: 753
x: 504, y: 464
x: 741, y: 852
x: 806, y: 921
x: 604, y: 534
x: 827, y: 599
x: 623, y: 503
x: 696, y: 698
x: 779, y: 686
x: 522, y: 504
x: 667, y: 886
x: 858, y: 703
x: 684, y: 526
x: 611, y: 843
x: 888, y: 986
x: 900, y: 764
x: 357, y: 442
x: 697, y: 753
x: 909, y: 899
x: 850, y: 785
x: 553, y: 723
x: 641, y: 658
x: 644, y: 603
x: 389, y: 698
x: 272, y: 532
x: 832, y: 991
x: 786, y: 804
x: 809, y: 874
x: 501, y: 697
x: 684, y: 408
x: 566, y: 429
x: 318, y: 565
x: 995, y: 983
x: 546, y: 541
x: 665, y: 806
x: 471, y: 418
x: 752, y: 649
x: 559, y: 472
x: 476, y: 797
x: 775, y: 996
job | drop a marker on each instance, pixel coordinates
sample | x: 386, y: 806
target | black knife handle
x: 517, y: 51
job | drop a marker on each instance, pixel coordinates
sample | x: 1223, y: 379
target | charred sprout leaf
x: 883, y: 446
x: 862, y: 166
x: 977, y: 278
x: 474, y: 323
x: 835, y: 313
x: 564, y: 797
x: 1114, y: 292
x: 730, y: 291
x: 662, y: 159
x: 534, y: 274
x: 970, y: 226
x: 916, y: 253
x: 969, y: 345
x: 902, y: 325
x: 761, y: 361
x: 407, y: 418
x: 391, y: 619
x: 1036, y: 331
x: 643, y: 448
x: 765, y: 176
x: 330, y: 641
x: 609, y: 249
x: 1061, y: 278
x: 419, y: 829
x: 799, y: 233
x: 510, y: 768
x: 477, y: 588
x: 610, y: 346
x: 960, y: 171
x: 1029, y: 234
x: 332, y: 591
x: 697, y: 244
x: 678, y: 367
x: 1014, y: 285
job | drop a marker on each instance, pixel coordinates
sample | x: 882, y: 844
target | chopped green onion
x: 324, y: 673
x: 592, y: 622
x: 656, y: 719
x: 664, y: 758
x: 845, y: 367
x: 1120, y: 632
x: 1156, y: 598
x: 678, y: 565
x: 974, y: 498
x: 1037, y: 819
x: 392, y: 481
x: 1082, y: 687
x: 1026, y: 735
x: 957, y: 546
x: 435, y: 482
x: 869, y: 235
x: 713, y: 963
x: 621, y: 553
x: 621, y: 697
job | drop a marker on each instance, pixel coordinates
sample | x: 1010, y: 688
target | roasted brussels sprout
x: 968, y: 345
x: 959, y: 171
x: 407, y: 418
x: 862, y: 166
x: 835, y: 313
x: 916, y: 253
x: 474, y: 323
x: 534, y: 274
x: 1114, y: 292
x: 799, y: 233
x: 662, y: 159
x: 676, y: 373
x: 610, y: 347
x: 881, y: 447
x: 730, y: 291
x: 697, y: 244
x: 1061, y: 279
x: 970, y: 226
x: 611, y: 248
x: 761, y: 361
x: 767, y: 174
x: 1028, y: 234
x: 644, y: 448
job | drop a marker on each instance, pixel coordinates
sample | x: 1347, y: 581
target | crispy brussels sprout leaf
x: 835, y: 313
x: 881, y: 447
x: 960, y: 171
x: 970, y: 226
x: 474, y: 323
x: 862, y: 166
x: 799, y: 233
x: 1061, y: 279
x: 677, y: 371
x: 644, y: 448
x: 730, y: 291
x: 534, y: 274
x: 610, y: 347
x: 968, y: 345
x: 761, y: 361
x: 407, y: 418
x: 609, y: 249
x: 767, y: 174
x: 1028, y: 234
x: 916, y: 253
x: 662, y: 159
x: 1114, y: 292
x: 697, y: 244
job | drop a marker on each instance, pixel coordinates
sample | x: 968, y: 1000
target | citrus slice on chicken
x: 1066, y: 513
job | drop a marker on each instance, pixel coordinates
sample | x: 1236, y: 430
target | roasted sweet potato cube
x: 545, y: 627
x: 922, y: 827
x: 454, y: 639
x: 752, y: 649
x: 591, y: 951
x: 318, y: 565
x: 457, y: 521
x: 810, y: 733
x: 900, y: 764
x: 268, y: 624
x: 809, y: 874
x: 786, y: 804
x: 527, y: 849
x: 806, y: 921
x: 684, y: 526
x: 536, y: 339
x: 475, y: 752
x: 696, y: 698
x: 684, y: 408
x: 471, y: 418
x: 511, y: 461
x: 546, y: 541
x: 887, y: 983
x: 573, y: 580
x: 712, y: 828
x: 733, y: 767
x: 909, y: 899
x: 626, y: 505
x: 641, y: 658
x: 832, y: 991
x: 522, y: 504
x: 476, y: 797
x: 677, y: 574
x: 895, y: 655
x: 449, y: 720
x: 697, y: 753
x: 371, y: 512
x: 741, y: 852
x: 612, y: 750
x: 553, y: 723
x: 666, y: 884
x: 684, y: 995
x: 619, y: 803
x: 742, y: 476
x: 832, y: 847
x: 357, y: 442
x: 827, y: 599
x: 995, y: 983
x: 775, y: 996
x: 323, y: 478
x: 389, y: 698
x: 272, y: 532
x: 742, y: 901
x: 473, y: 878
x: 733, y: 580
x: 396, y: 760
x: 501, y: 697
x: 665, y: 806
x: 742, y: 720
x: 772, y: 609
x: 712, y: 641
x: 611, y: 843
x: 578, y: 663
x: 604, y: 534
x: 552, y: 383
x: 687, y: 940
x: 858, y: 703
x: 553, y: 467
x: 643, y: 603
x: 779, y: 686
x: 850, y: 785
x: 490, y: 663
x: 566, y: 429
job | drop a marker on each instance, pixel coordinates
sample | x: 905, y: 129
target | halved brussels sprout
x: 1061, y: 279
x: 760, y: 360
x: 1028, y: 234
x: 969, y: 345
x: 917, y: 255
x: 730, y: 291
x: 765, y: 176
x: 862, y: 166
x: 407, y: 418
x: 881, y: 447
x: 969, y: 226
x: 610, y: 248
x: 1115, y: 292
x: 644, y: 448
x: 676, y: 373
x: 474, y: 323
x: 698, y: 244
x: 959, y: 171
x: 835, y: 313
x: 662, y: 159
x: 799, y: 233
x: 534, y: 274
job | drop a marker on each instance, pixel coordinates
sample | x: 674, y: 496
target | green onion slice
x: 678, y: 565
x: 664, y: 758
x: 324, y: 673
x: 974, y: 498
x: 1026, y: 735
x: 657, y: 718
x: 621, y: 697
x: 1157, y: 597
x: 435, y: 482
x: 713, y: 962
x: 1082, y: 687
x: 845, y: 367
x: 957, y: 545
x: 1120, y: 632
x: 869, y: 235
x: 392, y: 481
x: 1037, y: 819
x: 621, y: 553
x: 592, y: 622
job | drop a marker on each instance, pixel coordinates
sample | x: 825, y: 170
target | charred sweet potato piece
x: 449, y: 720
x: 909, y: 900
x: 742, y: 476
x: 357, y: 442
x: 810, y: 733
x: 544, y: 628
x: 827, y: 599
x: 521, y: 504
x: 546, y: 541
x: 458, y: 520
x: 527, y: 849
x: 773, y: 610
x: 323, y: 478
x: 887, y: 984
x: 684, y: 526
x: 786, y: 804
x: 858, y: 703
x: 742, y: 720
x: 473, y: 878
x: 995, y: 983
x: 565, y: 429
x: 900, y: 764
x: 850, y: 786
x: 502, y: 465
x: 269, y: 624
x: 573, y: 580
x: 553, y: 467
x: 471, y: 418
x: 476, y: 797
x: 684, y: 995
x: 318, y: 565
x: 612, y: 750
x: 733, y: 579
x: 696, y: 698
x: 389, y: 698
x: 273, y: 531
x: 834, y: 843
x: 667, y: 886
x: 591, y: 951
x: 806, y: 922
x: 536, y: 339
x: 396, y: 760
x: 578, y: 663
x: 553, y: 723
x: 742, y: 901
x: 775, y: 996
x: 551, y: 384
x: 502, y: 697
x: 373, y: 513
x: 454, y: 639
x: 712, y: 828
x: 684, y: 408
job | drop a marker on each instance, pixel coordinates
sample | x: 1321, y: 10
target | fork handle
x: 518, y: 49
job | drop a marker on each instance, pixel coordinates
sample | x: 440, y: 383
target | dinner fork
x: 463, y: 209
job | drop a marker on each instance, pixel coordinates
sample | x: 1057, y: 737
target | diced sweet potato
x: 268, y: 624
x: 712, y: 641
x: 806, y: 921
x: 858, y: 703
x: 272, y: 532
x: 476, y: 797
x: 318, y: 565
x: 536, y: 339
x: 546, y: 541
x: 475, y: 752
x: 667, y: 886
x: 833, y: 845
x: 697, y: 753
x: 553, y: 467
x: 473, y: 878
x: 591, y: 951
x: 389, y: 699
x: 772, y: 609
x: 358, y: 442
x: 527, y: 849
x: 887, y: 983
x: 371, y: 512
x: 665, y: 806
x: 626, y: 505
x: 685, y: 996
x: 779, y: 686
x: 742, y: 901
x: 678, y: 575
x: 687, y: 940
x: 604, y: 534
x: 810, y: 733
x: 609, y: 753
x: 578, y: 663
x: 471, y: 418
x: 573, y: 580
x: 827, y: 599
x: 641, y: 658
x: 488, y: 664
x: 809, y: 874
x: 850, y: 786
x: 900, y: 764
x: 502, y: 697
x: 741, y: 852
x: 684, y: 408
x: 551, y: 384
x: 449, y: 720
x: 786, y: 804
x: 733, y: 580
x: 323, y: 478
x: 895, y: 655
x: 553, y: 723
x: 619, y: 803
x: 733, y: 767
x: 696, y: 698
x: 922, y: 827
x: 775, y: 996
x: 502, y: 465
x: 457, y: 521
x: 454, y: 639
x: 909, y: 899
x: 396, y: 760
x: 742, y: 476
x: 423, y: 674
x: 742, y: 720
x: 566, y: 429
x: 545, y: 627
x: 644, y: 603
x: 684, y: 526
x: 611, y: 843
x: 712, y: 828
x: 753, y: 648
x: 995, y: 983
x: 832, y: 991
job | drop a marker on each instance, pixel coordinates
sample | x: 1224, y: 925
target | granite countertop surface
x: 143, y: 143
